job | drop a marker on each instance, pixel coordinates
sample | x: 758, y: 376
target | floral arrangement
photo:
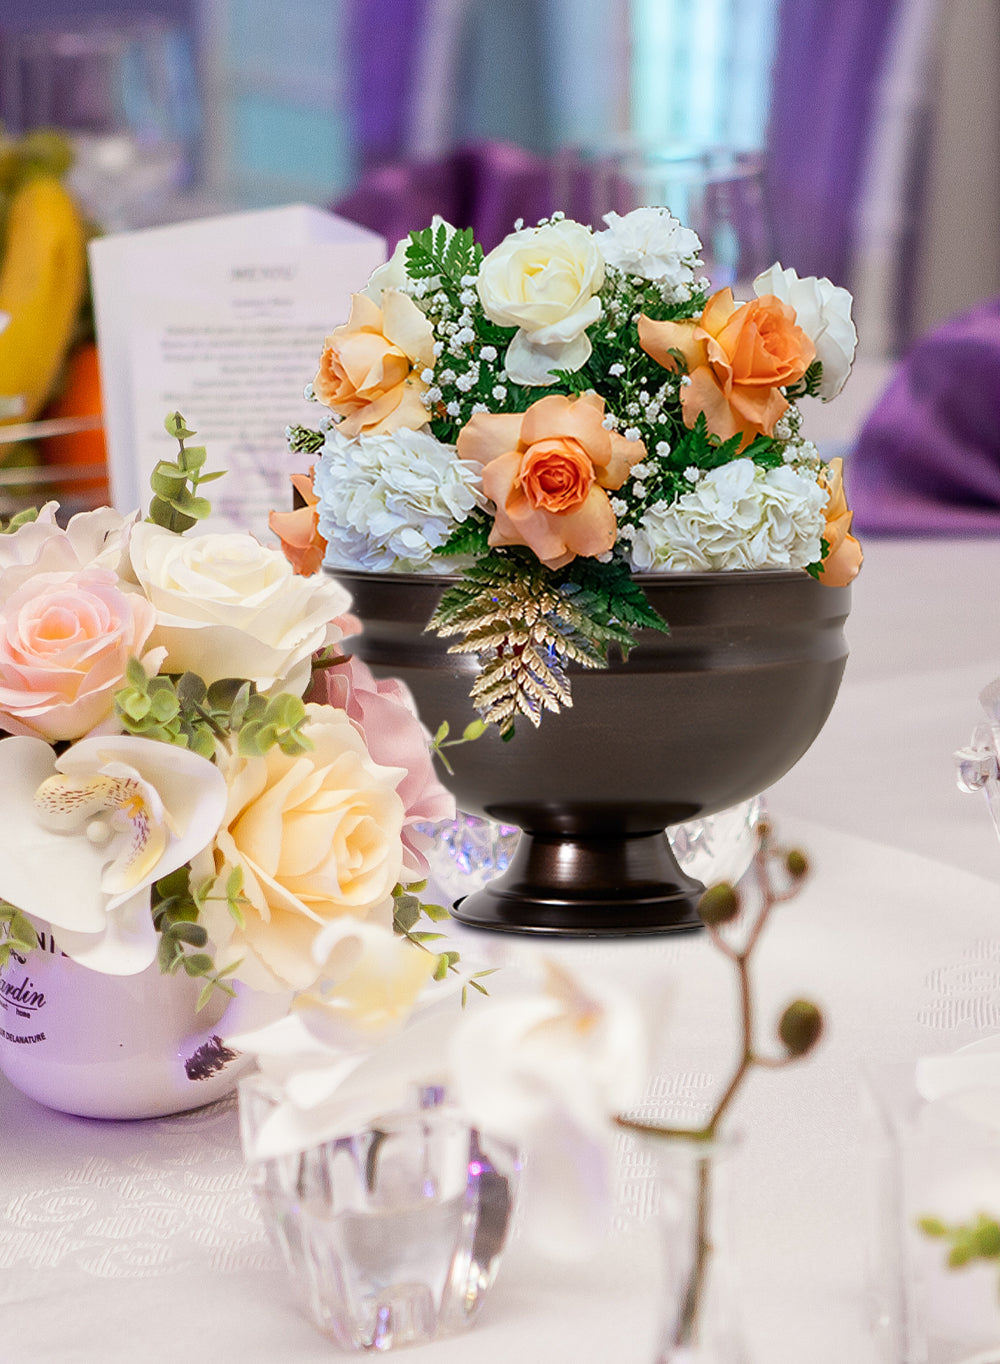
x: 192, y: 770
x: 558, y: 416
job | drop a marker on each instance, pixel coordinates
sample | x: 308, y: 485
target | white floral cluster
x: 650, y: 243
x: 386, y: 502
x: 738, y: 516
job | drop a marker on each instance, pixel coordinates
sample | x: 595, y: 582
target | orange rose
x: 844, y: 557
x: 298, y: 530
x: 370, y: 368
x: 738, y: 360
x: 547, y: 470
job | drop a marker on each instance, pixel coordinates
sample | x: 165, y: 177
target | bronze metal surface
x: 694, y: 721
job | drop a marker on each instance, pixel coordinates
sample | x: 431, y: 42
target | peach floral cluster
x: 581, y: 384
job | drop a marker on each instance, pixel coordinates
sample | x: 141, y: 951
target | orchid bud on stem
x: 799, y: 1027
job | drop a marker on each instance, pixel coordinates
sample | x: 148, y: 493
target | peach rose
x: 547, y: 470
x: 298, y: 530
x: 844, y: 557
x: 370, y: 368
x: 316, y: 836
x: 65, y: 643
x: 738, y: 360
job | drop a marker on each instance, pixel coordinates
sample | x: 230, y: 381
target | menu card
x: 222, y: 320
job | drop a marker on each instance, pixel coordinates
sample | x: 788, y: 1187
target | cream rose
x: 316, y: 836
x: 65, y: 643
x: 544, y: 281
x: 823, y: 311
x: 227, y: 606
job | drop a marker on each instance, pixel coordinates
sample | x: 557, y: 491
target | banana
x: 42, y: 281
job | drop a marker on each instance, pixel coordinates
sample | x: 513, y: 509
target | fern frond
x: 526, y: 624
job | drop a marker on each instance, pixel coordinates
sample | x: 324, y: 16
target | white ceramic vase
x: 105, y: 1046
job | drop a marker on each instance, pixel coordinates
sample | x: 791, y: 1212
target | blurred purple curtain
x: 829, y: 60
x: 383, y: 36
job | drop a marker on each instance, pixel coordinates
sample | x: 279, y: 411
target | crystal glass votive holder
x: 392, y: 1235
x: 930, y: 1160
x: 468, y: 852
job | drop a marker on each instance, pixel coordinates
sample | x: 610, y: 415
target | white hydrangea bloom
x: 651, y: 243
x: 739, y: 516
x: 386, y: 502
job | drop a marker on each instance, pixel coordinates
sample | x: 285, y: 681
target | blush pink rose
x: 65, y: 642
x: 385, y: 712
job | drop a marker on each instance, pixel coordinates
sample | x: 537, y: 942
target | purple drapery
x: 485, y: 187
x: 928, y: 458
x: 829, y: 61
x: 382, y: 36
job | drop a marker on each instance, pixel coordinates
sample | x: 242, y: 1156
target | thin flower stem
x: 690, y: 1314
x: 686, y: 1329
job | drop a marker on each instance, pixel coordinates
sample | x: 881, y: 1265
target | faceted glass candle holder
x: 466, y: 853
x: 392, y: 1235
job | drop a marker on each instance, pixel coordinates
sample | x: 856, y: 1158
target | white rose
x: 227, y: 606
x: 93, y: 539
x: 544, y: 281
x: 393, y: 275
x: 651, y: 243
x: 823, y: 311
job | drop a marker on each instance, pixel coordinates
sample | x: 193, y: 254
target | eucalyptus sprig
x: 184, y: 711
x: 967, y: 1241
x: 408, y: 910
x: 177, y: 906
x: 175, y: 505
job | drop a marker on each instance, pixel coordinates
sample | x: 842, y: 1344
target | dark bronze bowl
x: 693, y: 722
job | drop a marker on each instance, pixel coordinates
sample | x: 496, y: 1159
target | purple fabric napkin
x: 927, y: 460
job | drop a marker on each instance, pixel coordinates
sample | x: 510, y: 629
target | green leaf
x: 192, y: 457
x: 191, y: 689
x: 198, y: 964
x: 167, y: 480
x: 469, y: 538
x: 192, y: 933
x: 175, y: 426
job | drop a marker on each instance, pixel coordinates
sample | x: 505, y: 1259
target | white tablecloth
x: 139, y: 1241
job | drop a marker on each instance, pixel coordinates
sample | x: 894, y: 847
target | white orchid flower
x: 84, y: 836
x: 548, y: 1071
x: 358, y: 1046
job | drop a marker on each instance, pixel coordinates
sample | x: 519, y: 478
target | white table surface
x: 139, y: 1242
